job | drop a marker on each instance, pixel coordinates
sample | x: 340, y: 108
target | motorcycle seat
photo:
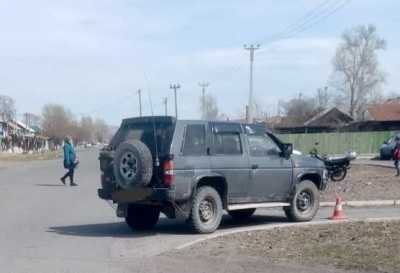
x: 337, y: 160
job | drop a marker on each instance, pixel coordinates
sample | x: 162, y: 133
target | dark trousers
x: 69, y: 174
x: 397, y: 166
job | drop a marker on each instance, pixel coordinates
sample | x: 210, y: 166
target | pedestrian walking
x: 70, y: 161
x: 396, y: 156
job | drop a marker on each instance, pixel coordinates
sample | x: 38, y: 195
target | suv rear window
x: 195, y: 140
x: 144, y: 131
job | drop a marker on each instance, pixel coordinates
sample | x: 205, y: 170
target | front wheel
x: 142, y: 217
x: 206, y: 212
x: 304, y: 204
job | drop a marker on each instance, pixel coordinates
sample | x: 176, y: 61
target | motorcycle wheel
x: 338, y: 174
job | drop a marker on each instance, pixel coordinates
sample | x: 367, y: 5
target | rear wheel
x: 142, y: 217
x: 304, y: 204
x: 241, y: 214
x: 338, y: 174
x: 206, y: 212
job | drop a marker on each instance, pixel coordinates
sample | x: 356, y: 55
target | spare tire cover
x: 133, y: 164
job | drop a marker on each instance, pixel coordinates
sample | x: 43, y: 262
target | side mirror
x: 287, y: 150
x: 385, y: 142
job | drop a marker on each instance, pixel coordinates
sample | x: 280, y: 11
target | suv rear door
x: 271, y: 173
x: 229, y: 159
x: 191, y: 160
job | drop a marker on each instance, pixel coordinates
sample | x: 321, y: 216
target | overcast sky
x: 92, y: 56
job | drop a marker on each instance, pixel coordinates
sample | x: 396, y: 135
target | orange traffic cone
x: 338, y: 213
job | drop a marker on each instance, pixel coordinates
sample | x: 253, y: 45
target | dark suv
x: 197, y: 169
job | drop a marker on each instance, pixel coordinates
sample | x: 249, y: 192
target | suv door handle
x: 254, y: 166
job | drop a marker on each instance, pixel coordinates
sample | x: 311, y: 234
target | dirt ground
x: 7, y: 157
x: 349, y: 247
x: 365, y: 183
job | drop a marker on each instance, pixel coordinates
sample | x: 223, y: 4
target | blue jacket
x: 69, y: 155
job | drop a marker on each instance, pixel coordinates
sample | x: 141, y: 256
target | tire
x: 207, y: 219
x: 339, y: 174
x: 133, y: 164
x: 301, y: 210
x: 142, y: 217
x: 242, y: 214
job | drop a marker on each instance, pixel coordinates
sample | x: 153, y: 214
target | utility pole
x: 251, y: 48
x: 140, y: 102
x: 165, y: 101
x: 203, y: 86
x: 175, y: 87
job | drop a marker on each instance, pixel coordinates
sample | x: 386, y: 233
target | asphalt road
x: 48, y: 227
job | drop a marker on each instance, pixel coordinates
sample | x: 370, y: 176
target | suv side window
x: 195, y: 140
x: 227, y: 144
x: 262, y: 145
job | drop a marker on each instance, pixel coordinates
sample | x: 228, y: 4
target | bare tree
x: 356, y: 68
x: 7, y: 108
x: 86, y: 127
x: 300, y: 109
x: 102, y: 131
x: 210, y: 107
x: 57, y: 122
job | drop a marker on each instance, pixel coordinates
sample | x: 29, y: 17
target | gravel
x: 359, y: 247
x: 365, y: 183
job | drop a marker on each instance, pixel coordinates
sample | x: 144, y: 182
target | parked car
x: 196, y: 169
x: 387, y: 148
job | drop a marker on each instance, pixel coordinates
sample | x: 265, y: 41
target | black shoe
x: 62, y: 180
x: 73, y: 184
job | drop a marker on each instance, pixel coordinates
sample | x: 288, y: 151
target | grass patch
x: 358, y: 246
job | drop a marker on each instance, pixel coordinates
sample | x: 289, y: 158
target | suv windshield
x: 143, y: 130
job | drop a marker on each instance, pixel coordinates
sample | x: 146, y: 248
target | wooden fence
x: 338, y: 143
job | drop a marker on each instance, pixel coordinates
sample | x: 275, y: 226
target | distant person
x: 396, y: 156
x: 70, y: 161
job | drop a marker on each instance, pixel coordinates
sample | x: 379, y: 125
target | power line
x: 309, y: 20
x: 325, y: 15
x: 310, y: 15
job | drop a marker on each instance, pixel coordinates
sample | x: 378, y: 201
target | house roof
x: 24, y: 126
x: 390, y: 110
x: 329, y: 117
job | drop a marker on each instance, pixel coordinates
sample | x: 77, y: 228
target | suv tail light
x: 168, y: 176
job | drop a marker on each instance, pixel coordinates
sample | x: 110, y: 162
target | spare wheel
x: 133, y: 164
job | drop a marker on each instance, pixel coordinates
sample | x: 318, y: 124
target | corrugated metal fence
x: 338, y: 143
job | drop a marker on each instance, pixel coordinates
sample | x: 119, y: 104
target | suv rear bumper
x: 139, y: 195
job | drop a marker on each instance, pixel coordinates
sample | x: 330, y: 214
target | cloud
x: 88, y: 53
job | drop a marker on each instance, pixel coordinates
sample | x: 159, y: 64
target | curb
x: 274, y: 226
x: 359, y: 204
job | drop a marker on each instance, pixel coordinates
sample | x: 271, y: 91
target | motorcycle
x: 337, y: 166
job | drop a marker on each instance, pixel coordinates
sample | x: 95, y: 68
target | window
x: 145, y: 133
x: 262, y: 146
x: 227, y: 143
x: 195, y: 140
